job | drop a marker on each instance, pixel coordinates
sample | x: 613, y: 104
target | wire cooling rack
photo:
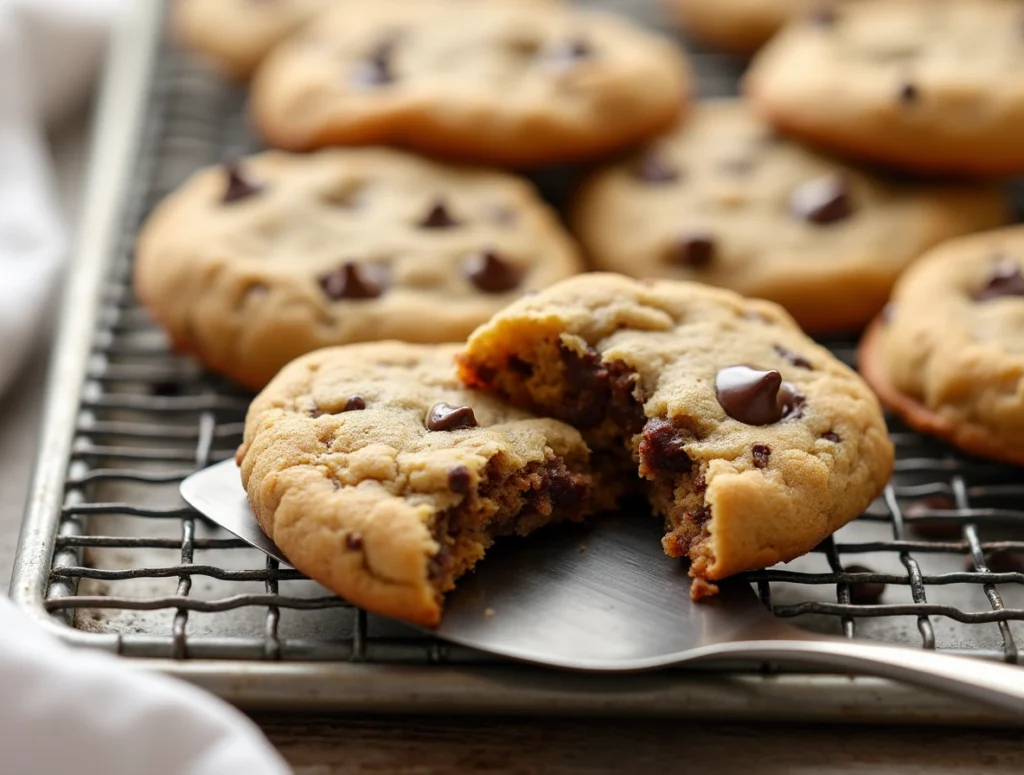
x: 112, y: 558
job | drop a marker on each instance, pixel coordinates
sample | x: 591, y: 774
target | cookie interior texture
x: 947, y: 354
x: 634, y: 367
x: 389, y: 495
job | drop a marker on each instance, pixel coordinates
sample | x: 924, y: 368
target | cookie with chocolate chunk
x: 743, y: 26
x: 237, y: 34
x: 948, y: 355
x: 751, y: 441
x: 382, y: 477
x: 723, y: 200
x: 508, y: 82
x: 253, y: 263
x: 926, y: 85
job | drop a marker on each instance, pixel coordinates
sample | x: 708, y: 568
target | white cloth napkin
x: 65, y: 710
x: 90, y: 713
x: 49, y: 53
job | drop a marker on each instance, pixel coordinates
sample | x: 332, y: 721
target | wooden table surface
x: 318, y: 745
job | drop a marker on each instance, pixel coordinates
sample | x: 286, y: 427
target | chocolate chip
x: 445, y: 417
x: 663, y: 448
x: 354, y: 541
x: 1004, y: 280
x: 755, y: 396
x: 491, y: 273
x: 355, y: 281
x: 655, y: 168
x: 832, y: 436
x: 761, y: 453
x: 797, y: 360
x: 565, y: 54
x: 822, y: 200
x: 700, y: 516
x: 908, y: 93
x: 693, y: 250
x: 999, y: 561
x: 459, y: 480
x: 438, y: 217
x: 864, y: 592
x: 520, y: 366
x: 355, y: 404
x: 376, y: 70
x: 239, y: 186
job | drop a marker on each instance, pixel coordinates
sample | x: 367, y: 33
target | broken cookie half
x: 384, y: 478
x: 752, y: 442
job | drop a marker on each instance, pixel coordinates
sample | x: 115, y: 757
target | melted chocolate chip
x: 865, y: 592
x: 761, y: 453
x: 822, y: 200
x: 694, y: 250
x: 832, y: 436
x: 354, y: 541
x: 757, y: 397
x: 239, y: 186
x: 438, y: 217
x: 999, y: 561
x: 376, y: 70
x: 663, y: 448
x: 491, y: 273
x: 797, y: 360
x: 596, y: 390
x: 355, y: 281
x: 355, y: 404
x: 700, y: 516
x: 1004, y: 280
x: 459, y: 480
x: 655, y: 168
x: 445, y: 417
x: 908, y: 93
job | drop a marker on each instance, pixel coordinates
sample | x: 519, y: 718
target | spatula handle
x: 992, y: 683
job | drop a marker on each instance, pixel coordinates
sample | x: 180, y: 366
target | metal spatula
x: 602, y: 596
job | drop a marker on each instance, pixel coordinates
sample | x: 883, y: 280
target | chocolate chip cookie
x: 928, y: 85
x: 740, y: 26
x: 752, y: 442
x: 723, y: 200
x: 256, y: 262
x: 238, y: 34
x: 948, y: 354
x: 511, y: 82
x: 383, y: 478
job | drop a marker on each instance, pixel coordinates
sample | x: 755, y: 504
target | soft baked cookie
x: 382, y: 477
x: 723, y: 200
x: 754, y: 443
x: 928, y: 85
x: 514, y: 82
x: 740, y: 26
x: 251, y: 264
x: 237, y: 34
x: 948, y: 353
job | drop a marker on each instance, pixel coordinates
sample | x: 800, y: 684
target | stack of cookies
x: 437, y: 366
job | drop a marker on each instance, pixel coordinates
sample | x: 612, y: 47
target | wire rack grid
x: 135, y: 571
